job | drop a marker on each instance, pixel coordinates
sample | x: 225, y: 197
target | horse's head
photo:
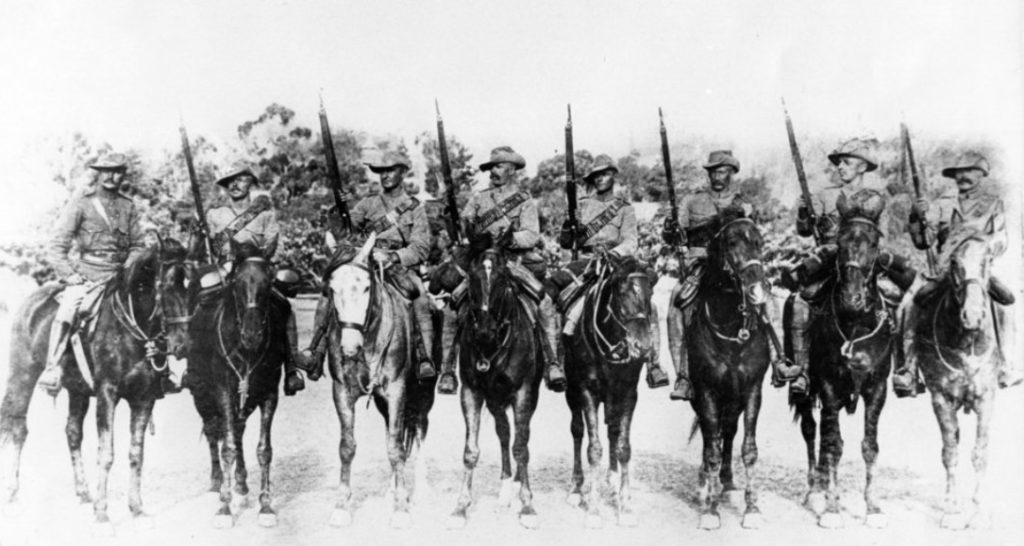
x: 351, y: 284
x: 858, y: 240
x: 489, y: 286
x: 736, y: 249
x: 160, y: 284
x: 629, y: 303
x: 251, y: 282
x: 970, y: 257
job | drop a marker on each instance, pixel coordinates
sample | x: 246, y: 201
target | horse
x: 603, y: 361
x: 237, y: 356
x: 851, y: 346
x: 499, y: 364
x: 956, y: 342
x: 728, y: 344
x: 371, y: 353
x: 144, y: 305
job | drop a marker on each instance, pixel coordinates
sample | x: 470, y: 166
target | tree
x: 463, y: 172
x: 283, y: 150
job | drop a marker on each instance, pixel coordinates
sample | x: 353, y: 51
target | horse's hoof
x: 816, y: 502
x: 709, y: 522
x: 529, y: 520
x: 505, y: 495
x: 953, y: 521
x: 752, y: 520
x: 104, y: 529
x: 143, y: 522
x: 593, y: 521
x: 341, y: 518
x: 734, y: 497
x: 223, y: 521
x: 574, y: 499
x: 877, y: 520
x: 455, y: 522
x: 830, y: 520
x: 267, y: 519
x: 628, y: 519
x: 400, y: 520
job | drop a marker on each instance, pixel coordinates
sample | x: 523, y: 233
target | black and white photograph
x: 454, y: 272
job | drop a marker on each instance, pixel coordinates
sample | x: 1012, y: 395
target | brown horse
x: 728, y: 343
x: 237, y: 351
x: 603, y: 361
x: 143, y: 306
x: 850, y: 357
x: 371, y: 353
x: 956, y: 343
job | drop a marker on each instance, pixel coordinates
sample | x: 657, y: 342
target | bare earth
x: 911, y: 479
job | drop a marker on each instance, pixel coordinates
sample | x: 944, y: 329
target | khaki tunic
x: 104, y: 243
x: 976, y: 207
x: 825, y: 200
x: 408, y: 234
x: 620, y: 234
x: 524, y: 216
x: 263, y: 231
x: 702, y: 207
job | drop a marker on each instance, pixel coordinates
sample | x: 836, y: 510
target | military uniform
x: 104, y: 227
x: 606, y: 224
x: 263, y: 231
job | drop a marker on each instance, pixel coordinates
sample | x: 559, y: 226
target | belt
x: 104, y: 256
x: 388, y: 244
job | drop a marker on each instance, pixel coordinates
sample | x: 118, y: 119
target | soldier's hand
x: 802, y: 210
x: 567, y: 236
x: 74, y: 279
x: 920, y: 208
x: 671, y: 234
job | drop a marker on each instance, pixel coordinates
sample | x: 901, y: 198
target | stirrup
x: 683, y: 390
x: 448, y: 383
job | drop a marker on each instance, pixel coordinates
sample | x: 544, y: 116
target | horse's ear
x: 364, y: 251
x: 990, y: 225
x: 956, y: 219
x: 506, y: 238
x: 842, y: 204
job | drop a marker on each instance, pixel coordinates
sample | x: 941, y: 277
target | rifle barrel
x: 197, y: 198
x: 667, y: 161
x: 801, y: 176
x: 332, y: 167
x: 570, y: 180
x: 451, y: 203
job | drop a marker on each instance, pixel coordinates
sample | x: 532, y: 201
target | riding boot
x: 682, y: 390
x: 294, y: 360
x: 317, y: 350
x: 51, y: 378
x: 554, y: 369
x: 798, y: 326
x: 905, y: 378
x: 448, y: 383
x: 424, y: 338
x: 656, y: 377
x: 1008, y: 369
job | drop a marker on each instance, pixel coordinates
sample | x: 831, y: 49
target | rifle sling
x: 603, y: 219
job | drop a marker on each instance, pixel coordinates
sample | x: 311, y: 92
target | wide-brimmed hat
x: 967, y: 160
x: 389, y: 160
x: 503, y: 154
x: 111, y: 162
x: 601, y: 164
x: 234, y: 171
x: 855, y: 147
x: 722, y: 157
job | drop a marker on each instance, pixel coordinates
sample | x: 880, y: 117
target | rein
x: 125, y: 315
x: 883, y: 320
x: 231, y: 356
x: 749, y: 318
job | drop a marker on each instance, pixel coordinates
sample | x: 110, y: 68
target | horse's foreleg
x: 979, y: 458
x: 594, y: 453
x: 228, y: 453
x: 809, y: 431
x: 831, y: 453
x: 708, y: 482
x: 241, y: 472
x: 345, y: 405
x: 752, y: 513
x: 397, y: 452
x: 141, y: 412
x: 576, y: 429
x: 472, y: 403
x: 729, y: 422
x: 504, y: 431
x: 106, y: 401
x: 265, y: 454
x: 78, y: 407
x: 874, y: 401
x: 525, y: 405
x: 213, y: 429
x: 24, y: 368
x: 624, y: 453
x: 949, y: 427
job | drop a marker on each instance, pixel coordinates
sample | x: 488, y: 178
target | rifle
x: 451, y: 204
x: 794, y: 150
x: 916, y: 178
x: 673, y: 205
x: 197, y: 197
x: 570, y: 184
x: 332, y: 169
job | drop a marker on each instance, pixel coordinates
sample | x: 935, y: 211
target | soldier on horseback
x: 852, y: 159
x: 697, y: 214
x: 977, y: 204
x: 402, y: 244
x: 493, y: 211
x: 608, y: 225
x: 249, y: 219
x: 103, y: 224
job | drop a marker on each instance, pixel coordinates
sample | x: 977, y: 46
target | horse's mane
x: 956, y: 239
x: 246, y: 250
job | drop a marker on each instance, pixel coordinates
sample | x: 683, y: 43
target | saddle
x: 84, y: 321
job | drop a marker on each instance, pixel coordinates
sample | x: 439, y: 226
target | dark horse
x: 727, y: 341
x: 143, y: 305
x: 371, y: 353
x: 956, y: 343
x: 851, y: 343
x: 236, y: 357
x: 602, y: 364
x: 498, y: 365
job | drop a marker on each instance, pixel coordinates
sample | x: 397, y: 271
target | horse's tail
x: 694, y: 427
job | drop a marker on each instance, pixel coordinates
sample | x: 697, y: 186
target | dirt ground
x: 910, y: 478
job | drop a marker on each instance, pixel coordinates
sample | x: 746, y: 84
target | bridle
x: 735, y: 274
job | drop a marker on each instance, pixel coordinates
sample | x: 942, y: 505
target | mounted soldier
x: 976, y: 204
x: 252, y: 219
x: 698, y: 212
x: 103, y: 224
x: 500, y: 207
x: 607, y: 225
x: 821, y: 218
x: 402, y: 245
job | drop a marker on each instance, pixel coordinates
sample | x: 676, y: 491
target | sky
x: 122, y: 71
